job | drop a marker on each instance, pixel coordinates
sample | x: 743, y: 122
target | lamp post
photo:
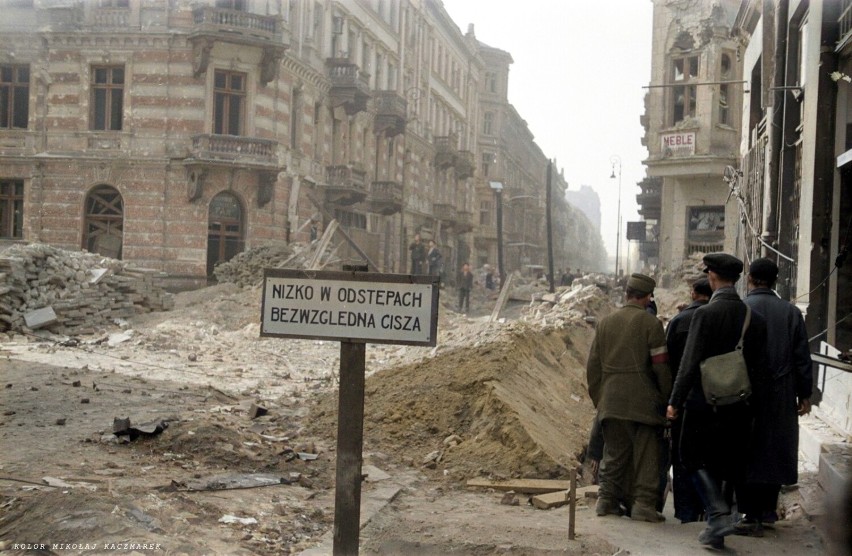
x: 497, y: 186
x: 615, y: 159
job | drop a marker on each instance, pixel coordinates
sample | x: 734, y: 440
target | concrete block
x: 40, y: 317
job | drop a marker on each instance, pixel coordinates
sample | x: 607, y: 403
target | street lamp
x: 497, y: 186
x: 615, y: 159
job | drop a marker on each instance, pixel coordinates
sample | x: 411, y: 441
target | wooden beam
x: 501, y: 299
x: 550, y: 499
x: 351, y: 241
x: 321, y: 246
x: 527, y: 486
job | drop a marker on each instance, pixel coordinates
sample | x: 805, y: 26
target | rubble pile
x: 246, y: 268
x: 72, y: 292
x: 580, y: 302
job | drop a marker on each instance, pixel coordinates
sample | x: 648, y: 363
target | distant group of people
x: 724, y: 454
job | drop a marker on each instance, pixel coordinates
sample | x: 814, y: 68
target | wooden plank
x: 372, y: 266
x: 501, y: 299
x: 321, y: 245
x: 550, y: 499
x: 527, y: 486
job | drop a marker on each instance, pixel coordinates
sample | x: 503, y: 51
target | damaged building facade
x: 177, y: 134
x: 749, y: 123
x: 691, y: 131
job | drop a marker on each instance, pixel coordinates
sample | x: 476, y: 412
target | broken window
x: 104, y: 225
x: 724, y: 109
x: 229, y: 96
x: 224, y: 230
x: 684, y: 74
x: 12, y: 209
x: 14, y: 96
x: 107, y: 98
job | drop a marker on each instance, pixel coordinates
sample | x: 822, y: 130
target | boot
x: 641, y: 512
x: 718, y: 511
x: 607, y: 506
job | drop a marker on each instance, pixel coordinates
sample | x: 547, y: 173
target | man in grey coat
x: 775, y: 446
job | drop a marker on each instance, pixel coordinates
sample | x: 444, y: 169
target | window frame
x: 223, y: 122
x: 684, y: 82
x: 112, y: 105
x: 10, y: 91
x: 12, y: 203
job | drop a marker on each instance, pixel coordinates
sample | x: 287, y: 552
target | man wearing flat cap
x: 715, y: 441
x: 629, y: 383
x: 775, y: 450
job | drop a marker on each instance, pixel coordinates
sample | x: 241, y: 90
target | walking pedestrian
x: 687, y: 503
x: 629, y: 381
x: 714, y: 440
x: 465, y: 282
x: 775, y: 450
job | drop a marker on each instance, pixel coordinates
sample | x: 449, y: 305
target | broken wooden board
x: 550, y: 500
x: 501, y: 299
x: 527, y: 486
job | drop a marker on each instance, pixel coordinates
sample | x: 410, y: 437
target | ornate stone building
x: 176, y: 134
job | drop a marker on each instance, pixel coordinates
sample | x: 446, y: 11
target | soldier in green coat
x: 629, y: 383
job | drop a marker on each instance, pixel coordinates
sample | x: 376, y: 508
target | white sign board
x: 678, y: 144
x: 350, y: 306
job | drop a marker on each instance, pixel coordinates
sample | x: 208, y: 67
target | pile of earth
x: 511, y: 403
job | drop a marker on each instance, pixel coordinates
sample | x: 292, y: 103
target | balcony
x: 385, y: 197
x: 238, y: 27
x: 110, y: 18
x: 250, y: 152
x: 845, y: 24
x: 464, y: 222
x: 465, y: 165
x: 391, y: 113
x: 445, y: 212
x: 349, y: 85
x: 445, y: 151
x: 345, y: 185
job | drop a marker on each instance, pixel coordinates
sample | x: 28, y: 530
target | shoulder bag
x: 724, y: 378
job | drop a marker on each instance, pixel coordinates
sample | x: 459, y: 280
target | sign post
x: 354, y: 308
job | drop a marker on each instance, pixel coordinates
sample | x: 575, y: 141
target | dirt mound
x: 514, y: 405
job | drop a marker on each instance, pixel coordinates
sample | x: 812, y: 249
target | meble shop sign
x: 678, y: 144
x: 350, y: 306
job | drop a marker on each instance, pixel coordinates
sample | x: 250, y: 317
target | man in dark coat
x: 629, y: 381
x: 687, y: 503
x: 715, y: 441
x: 775, y: 450
x: 418, y: 255
x: 435, y: 259
x: 465, y: 282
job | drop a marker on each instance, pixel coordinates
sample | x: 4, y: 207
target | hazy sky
x: 577, y: 80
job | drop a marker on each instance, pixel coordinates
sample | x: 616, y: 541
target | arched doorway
x: 224, y: 230
x: 104, y: 222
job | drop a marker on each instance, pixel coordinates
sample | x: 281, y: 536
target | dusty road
x: 512, y: 393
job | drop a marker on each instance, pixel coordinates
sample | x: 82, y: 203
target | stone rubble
x: 84, y: 290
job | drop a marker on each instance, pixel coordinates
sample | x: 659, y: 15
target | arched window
x: 104, y: 221
x: 224, y: 230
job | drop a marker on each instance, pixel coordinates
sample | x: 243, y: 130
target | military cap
x: 641, y: 283
x: 764, y: 270
x: 723, y: 264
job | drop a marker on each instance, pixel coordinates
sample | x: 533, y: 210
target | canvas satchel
x: 724, y: 378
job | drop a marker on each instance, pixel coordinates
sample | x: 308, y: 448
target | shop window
x: 706, y: 229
